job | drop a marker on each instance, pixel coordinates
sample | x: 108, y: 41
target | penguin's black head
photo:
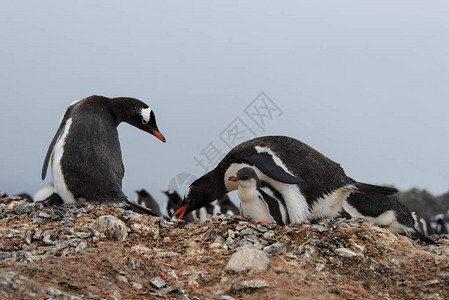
x: 245, y: 177
x: 202, y: 192
x: 138, y: 114
x: 141, y: 192
x: 173, y: 196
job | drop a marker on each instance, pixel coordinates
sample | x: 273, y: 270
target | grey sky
x: 363, y: 82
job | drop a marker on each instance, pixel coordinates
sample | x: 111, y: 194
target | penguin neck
x: 248, y: 194
x: 121, y: 108
x: 212, y: 185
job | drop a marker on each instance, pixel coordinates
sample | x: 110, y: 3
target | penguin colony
x: 279, y: 179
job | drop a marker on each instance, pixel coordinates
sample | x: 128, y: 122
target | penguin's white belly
x: 58, y: 177
x: 252, y: 206
x: 297, y: 206
x: 330, y: 205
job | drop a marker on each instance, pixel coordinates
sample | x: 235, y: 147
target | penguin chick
x: 85, y: 155
x: 386, y: 211
x: 258, y: 199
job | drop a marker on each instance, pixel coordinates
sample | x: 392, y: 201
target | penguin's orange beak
x: 233, y: 178
x: 158, y: 135
x: 164, y: 192
x: 182, y: 210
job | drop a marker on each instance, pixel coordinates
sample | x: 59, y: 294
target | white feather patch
x: 59, y: 184
x: 330, y: 205
x: 276, y: 159
x: 146, y: 114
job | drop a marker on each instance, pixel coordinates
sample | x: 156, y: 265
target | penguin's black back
x: 93, y: 140
x: 301, y: 160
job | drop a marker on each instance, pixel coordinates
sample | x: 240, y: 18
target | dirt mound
x: 68, y: 253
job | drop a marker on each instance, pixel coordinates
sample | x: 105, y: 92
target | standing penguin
x: 85, y: 156
x: 312, y: 185
x: 386, y: 211
x: 258, y: 199
x: 146, y: 200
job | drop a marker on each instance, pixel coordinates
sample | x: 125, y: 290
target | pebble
x: 291, y: 256
x: 277, y: 248
x: 343, y: 252
x: 112, y: 227
x: 136, y: 285
x: 226, y: 297
x: 260, y: 229
x: 36, y: 221
x: 158, y: 283
x: 315, y: 242
x: 122, y: 278
x: 252, y: 260
x: 210, y: 234
x: 44, y: 215
x: 23, y: 209
x: 246, y: 232
x: 319, y: 228
x: 238, y: 285
x: 320, y: 267
x: 304, y: 252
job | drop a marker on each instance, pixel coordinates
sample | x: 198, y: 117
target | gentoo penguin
x: 421, y: 223
x: 440, y: 227
x: 85, y: 156
x: 146, y: 200
x: 258, y: 200
x: 225, y: 206
x: 173, y: 200
x: 386, y: 211
x: 312, y: 185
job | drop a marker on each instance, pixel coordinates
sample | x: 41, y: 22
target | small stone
x: 53, y: 292
x: 269, y: 234
x: 80, y: 247
x: 304, y: 252
x: 318, y: 228
x: 253, y: 260
x: 260, y: 229
x: 226, y: 297
x: 44, y: 215
x: 243, y: 223
x: 320, y: 267
x: 23, y: 209
x: 158, y: 283
x: 246, y: 232
x: 315, y: 242
x: 134, y: 263
x: 37, y: 233
x: 112, y: 227
x: 345, y: 252
x: 172, y: 255
x: 67, y: 222
x: 238, y: 285
x: 205, y: 259
x: 210, y: 234
x: 277, y: 248
x: 49, y: 238
x: 380, y: 246
x: 122, y: 279
x: 136, y: 285
x: 36, y: 221
x: 291, y: 256
x: 83, y: 235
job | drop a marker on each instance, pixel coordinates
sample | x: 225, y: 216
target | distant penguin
x: 421, y: 223
x: 312, y: 185
x: 173, y: 200
x: 3, y: 195
x: 258, y: 200
x: 146, y: 200
x: 85, y: 155
x: 386, y: 211
x: 440, y: 227
x: 224, y: 206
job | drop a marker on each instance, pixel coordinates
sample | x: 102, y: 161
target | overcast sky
x: 366, y: 83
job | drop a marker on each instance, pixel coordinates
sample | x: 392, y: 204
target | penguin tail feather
x: 138, y: 209
x: 373, y: 189
x: 418, y: 235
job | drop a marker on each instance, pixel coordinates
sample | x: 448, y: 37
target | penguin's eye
x: 145, y: 122
x: 188, y: 198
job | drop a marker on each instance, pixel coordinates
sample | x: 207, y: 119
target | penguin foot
x: 260, y: 221
x: 53, y: 199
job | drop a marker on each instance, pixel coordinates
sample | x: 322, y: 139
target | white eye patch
x: 146, y: 115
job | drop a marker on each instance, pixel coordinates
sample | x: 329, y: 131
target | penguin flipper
x: 138, y: 209
x: 265, y: 163
x: 374, y: 189
x: 418, y: 235
x: 53, y: 142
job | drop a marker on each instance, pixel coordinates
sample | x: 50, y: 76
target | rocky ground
x: 100, y: 252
